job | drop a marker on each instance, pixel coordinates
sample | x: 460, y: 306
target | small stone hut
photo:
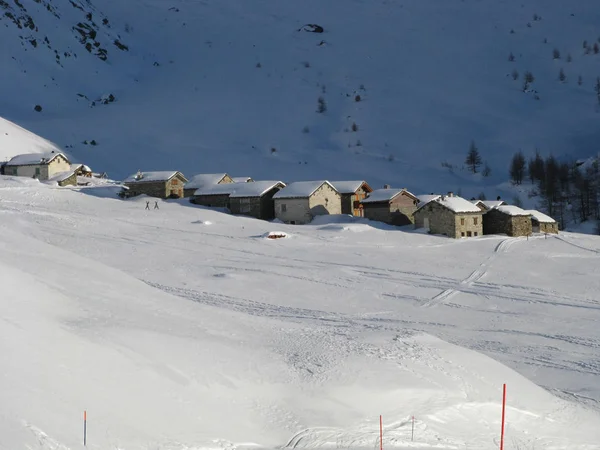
x: 391, y: 206
x: 507, y: 219
x: 449, y: 215
x: 541, y: 223
x: 162, y: 184
x: 300, y: 202
x: 255, y: 199
x: 352, y: 192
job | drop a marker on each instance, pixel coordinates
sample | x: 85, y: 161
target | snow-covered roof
x: 82, y: 166
x: 147, y: 177
x: 301, y: 189
x: 457, y: 204
x: 242, y: 179
x: 217, y: 189
x: 512, y: 210
x: 254, y: 189
x: 347, y: 187
x: 539, y: 216
x: 382, y: 195
x: 426, y: 198
x: 491, y: 204
x: 61, y: 176
x: 202, y: 180
x: 29, y: 159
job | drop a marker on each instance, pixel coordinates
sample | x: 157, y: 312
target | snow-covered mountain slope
x: 15, y: 140
x: 234, y: 86
x: 184, y: 328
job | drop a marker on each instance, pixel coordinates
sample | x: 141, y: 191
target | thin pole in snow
x: 84, y: 428
x: 380, y: 433
x: 503, y: 415
x: 412, y: 434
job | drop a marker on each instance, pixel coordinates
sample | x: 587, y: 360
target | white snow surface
x: 455, y: 204
x: 539, y: 216
x: 512, y: 210
x: 491, y: 204
x: 300, y: 189
x: 242, y: 179
x: 182, y: 337
x: 15, y: 140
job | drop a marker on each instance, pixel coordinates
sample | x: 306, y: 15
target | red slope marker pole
x: 84, y: 428
x: 503, y: 415
x: 380, y: 433
x: 412, y: 434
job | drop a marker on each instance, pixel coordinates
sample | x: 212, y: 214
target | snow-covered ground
x: 216, y: 86
x: 186, y: 328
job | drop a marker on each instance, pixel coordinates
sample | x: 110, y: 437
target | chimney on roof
x: 450, y: 194
x: 386, y: 186
x: 139, y: 175
x: 498, y: 198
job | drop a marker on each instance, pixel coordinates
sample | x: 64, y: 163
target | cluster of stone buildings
x: 299, y: 202
x: 51, y: 166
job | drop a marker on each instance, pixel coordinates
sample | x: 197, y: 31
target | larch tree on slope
x: 517, y: 168
x: 473, y: 160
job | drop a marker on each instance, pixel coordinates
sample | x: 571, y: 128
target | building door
x: 426, y: 223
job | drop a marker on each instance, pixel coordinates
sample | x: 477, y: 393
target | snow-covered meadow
x: 186, y: 328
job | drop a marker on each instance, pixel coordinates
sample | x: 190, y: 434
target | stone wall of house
x: 348, y: 203
x: 152, y: 189
x: 174, y: 187
x: 247, y: 206
x: 443, y: 221
x: 214, y: 201
x: 293, y: 210
x: 325, y: 200
x: 496, y: 222
x: 548, y: 227
x: 379, y: 211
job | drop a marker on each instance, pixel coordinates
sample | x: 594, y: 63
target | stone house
x: 164, y: 184
x: 68, y: 178
x: 392, y: 206
x: 300, y: 202
x: 449, y: 215
x: 507, y: 219
x: 203, y: 180
x: 541, y: 223
x: 214, y: 196
x: 42, y: 166
x: 352, y: 193
x: 255, y: 199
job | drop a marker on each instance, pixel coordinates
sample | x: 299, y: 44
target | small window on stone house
x: 462, y: 234
x: 475, y: 221
x: 175, y: 182
x: 283, y: 207
x: 474, y: 233
x: 462, y: 220
x: 469, y: 234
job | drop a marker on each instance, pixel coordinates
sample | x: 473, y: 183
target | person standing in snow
x: 148, y: 205
x: 156, y: 205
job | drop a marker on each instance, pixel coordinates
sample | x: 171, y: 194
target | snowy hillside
x: 185, y: 328
x: 235, y: 86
